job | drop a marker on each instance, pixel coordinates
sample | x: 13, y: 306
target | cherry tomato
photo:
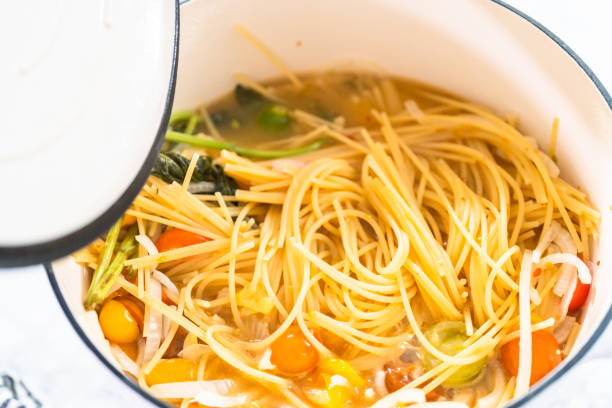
x: 580, y: 295
x: 117, y: 323
x: 134, y: 306
x: 174, y: 238
x: 292, y: 353
x: 172, y: 370
x: 545, y: 355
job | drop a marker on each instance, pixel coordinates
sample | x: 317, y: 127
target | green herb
x: 179, y: 137
x: 274, y: 118
x: 171, y: 166
x: 108, y: 271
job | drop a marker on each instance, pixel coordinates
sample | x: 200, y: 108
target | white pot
x: 483, y: 50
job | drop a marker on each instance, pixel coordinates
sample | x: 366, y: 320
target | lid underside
x: 87, y: 97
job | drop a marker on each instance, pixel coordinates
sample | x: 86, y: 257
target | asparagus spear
x: 108, y: 271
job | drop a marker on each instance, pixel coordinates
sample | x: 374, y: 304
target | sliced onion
x: 89, y: 320
x: 535, y: 297
x: 256, y: 328
x: 440, y: 404
x: 167, y: 323
x: 194, y: 352
x: 551, y: 235
x: 166, y: 282
x: 564, y: 329
x: 127, y: 364
x: 190, y: 389
x: 146, y: 242
x: 141, y: 349
x: 583, y: 271
x: 212, y: 399
x: 155, y: 322
x: 264, y: 362
x: 402, y: 396
x: 524, y: 364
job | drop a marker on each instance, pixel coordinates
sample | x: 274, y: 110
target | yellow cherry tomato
x: 117, y: 323
x: 172, y: 370
x: 341, y: 367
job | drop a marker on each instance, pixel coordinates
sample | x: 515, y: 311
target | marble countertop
x: 38, y: 345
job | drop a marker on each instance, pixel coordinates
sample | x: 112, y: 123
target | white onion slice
x: 402, y: 396
x: 155, y: 323
x: 146, y: 242
x: 194, y: 352
x: 583, y: 271
x: 555, y: 233
x: 524, y: 365
x: 264, y: 362
x: 166, y: 282
x: 535, y: 297
x: 190, y: 389
x: 212, y: 399
x: 167, y: 323
x: 564, y: 329
x: 127, y: 364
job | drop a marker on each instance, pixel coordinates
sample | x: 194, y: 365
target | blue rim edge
x: 533, y: 391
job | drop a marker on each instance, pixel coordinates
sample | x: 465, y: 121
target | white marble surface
x: 38, y: 344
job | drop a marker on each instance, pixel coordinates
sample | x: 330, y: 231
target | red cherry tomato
x: 545, y: 355
x: 580, y: 295
x: 174, y: 238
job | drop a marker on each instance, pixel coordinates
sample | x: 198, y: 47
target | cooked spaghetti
x: 343, y: 239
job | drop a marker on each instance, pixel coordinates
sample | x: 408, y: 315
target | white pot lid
x: 87, y: 90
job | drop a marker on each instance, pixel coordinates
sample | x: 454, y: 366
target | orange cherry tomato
x: 135, y: 307
x: 545, y: 355
x: 117, y: 323
x: 292, y: 353
x: 174, y: 238
x: 172, y: 370
x: 580, y: 295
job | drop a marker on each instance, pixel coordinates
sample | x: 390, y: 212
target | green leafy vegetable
x: 179, y: 137
x: 171, y: 166
x: 274, y: 118
x: 108, y: 271
x: 247, y: 96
